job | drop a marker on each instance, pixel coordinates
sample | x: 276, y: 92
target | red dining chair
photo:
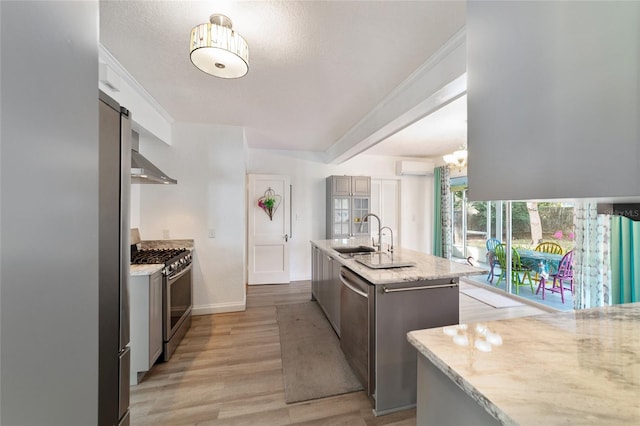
x: 564, y: 275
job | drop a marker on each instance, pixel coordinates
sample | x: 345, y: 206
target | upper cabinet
x: 348, y: 199
x: 350, y: 185
x: 553, y: 99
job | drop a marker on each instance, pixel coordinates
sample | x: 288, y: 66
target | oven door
x: 178, y: 301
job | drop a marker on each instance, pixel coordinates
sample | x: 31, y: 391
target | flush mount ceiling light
x: 218, y: 50
x: 458, y: 158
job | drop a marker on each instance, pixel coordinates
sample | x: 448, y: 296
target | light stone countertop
x: 427, y: 267
x: 166, y: 244
x: 148, y: 269
x: 579, y: 368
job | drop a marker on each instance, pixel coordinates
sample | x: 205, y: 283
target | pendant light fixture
x: 457, y: 159
x: 218, y: 50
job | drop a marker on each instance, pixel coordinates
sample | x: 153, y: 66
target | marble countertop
x: 148, y: 269
x: 427, y: 267
x: 166, y: 244
x: 579, y: 368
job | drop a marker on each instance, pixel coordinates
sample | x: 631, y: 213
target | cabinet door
x: 334, y: 304
x: 315, y: 271
x: 341, y: 217
x: 155, y: 317
x: 325, y: 280
x: 361, y: 206
x: 361, y: 186
x: 340, y: 185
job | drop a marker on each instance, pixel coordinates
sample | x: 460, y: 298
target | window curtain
x: 441, y: 213
x: 592, y: 258
x: 625, y: 251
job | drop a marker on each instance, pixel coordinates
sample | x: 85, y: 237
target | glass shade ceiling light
x: 218, y: 50
x: 458, y: 158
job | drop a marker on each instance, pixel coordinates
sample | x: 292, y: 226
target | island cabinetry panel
x: 145, y: 292
x: 325, y: 286
x: 348, y: 199
x: 399, y: 309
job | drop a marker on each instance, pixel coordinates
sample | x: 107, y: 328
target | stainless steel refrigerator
x: 114, y: 191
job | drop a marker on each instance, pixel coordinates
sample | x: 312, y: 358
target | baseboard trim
x: 219, y: 308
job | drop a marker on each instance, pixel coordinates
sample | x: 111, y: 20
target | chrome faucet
x: 379, y: 228
x: 390, y: 230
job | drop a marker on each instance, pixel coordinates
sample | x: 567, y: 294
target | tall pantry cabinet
x: 348, y: 199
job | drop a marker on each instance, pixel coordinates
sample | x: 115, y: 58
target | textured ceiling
x: 316, y: 68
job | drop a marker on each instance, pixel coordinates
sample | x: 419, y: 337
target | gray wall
x: 554, y: 99
x: 49, y: 213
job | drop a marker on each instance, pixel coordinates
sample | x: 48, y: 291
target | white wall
x: 49, y: 208
x: 309, y: 198
x: 208, y: 162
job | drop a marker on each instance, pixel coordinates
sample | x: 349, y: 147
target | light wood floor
x: 228, y: 371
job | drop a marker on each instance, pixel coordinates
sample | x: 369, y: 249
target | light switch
x: 212, y: 233
x: 165, y: 234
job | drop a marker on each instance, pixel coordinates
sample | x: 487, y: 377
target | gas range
x: 174, y: 259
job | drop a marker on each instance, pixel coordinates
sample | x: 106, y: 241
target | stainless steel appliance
x: 177, y: 292
x: 113, y: 335
x: 143, y: 170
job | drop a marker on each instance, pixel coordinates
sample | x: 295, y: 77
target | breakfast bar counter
x: 427, y: 267
x: 580, y: 368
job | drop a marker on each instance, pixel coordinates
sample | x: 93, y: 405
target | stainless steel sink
x: 382, y: 260
x: 354, y: 249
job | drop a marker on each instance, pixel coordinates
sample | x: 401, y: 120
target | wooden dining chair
x: 564, y: 275
x: 547, y: 247
x: 517, y: 268
x: 491, y: 257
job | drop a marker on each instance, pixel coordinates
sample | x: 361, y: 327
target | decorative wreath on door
x: 269, y: 202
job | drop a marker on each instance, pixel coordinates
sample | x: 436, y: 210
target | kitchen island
x: 579, y: 367
x: 371, y: 310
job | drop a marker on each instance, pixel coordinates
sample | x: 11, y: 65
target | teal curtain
x: 437, y: 213
x: 441, y: 213
x: 625, y: 253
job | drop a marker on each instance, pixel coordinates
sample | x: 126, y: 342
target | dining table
x: 540, y: 262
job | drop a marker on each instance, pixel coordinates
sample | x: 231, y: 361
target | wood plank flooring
x: 228, y: 371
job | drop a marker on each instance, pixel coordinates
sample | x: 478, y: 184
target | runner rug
x: 313, y: 363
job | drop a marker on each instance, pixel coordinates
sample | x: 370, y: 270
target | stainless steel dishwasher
x: 356, y: 326
x: 374, y: 322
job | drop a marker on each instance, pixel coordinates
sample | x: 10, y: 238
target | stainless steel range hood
x: 143, y: 170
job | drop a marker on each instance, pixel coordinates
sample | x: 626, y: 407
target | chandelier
x: 458, y: 158
x: 218, y: 50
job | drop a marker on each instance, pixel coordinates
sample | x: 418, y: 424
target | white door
x: 268, y: 233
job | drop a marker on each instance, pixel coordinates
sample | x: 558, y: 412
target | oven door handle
x: 184, y: 271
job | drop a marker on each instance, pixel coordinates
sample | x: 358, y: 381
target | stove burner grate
x: 155, y: 256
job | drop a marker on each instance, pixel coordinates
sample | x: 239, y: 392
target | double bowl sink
x: 369, y: 257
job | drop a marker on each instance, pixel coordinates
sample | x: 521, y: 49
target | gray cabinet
x: 145, y: 292
x: 316, y: 271
x: 348, y: 199
x: 325, y: 286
